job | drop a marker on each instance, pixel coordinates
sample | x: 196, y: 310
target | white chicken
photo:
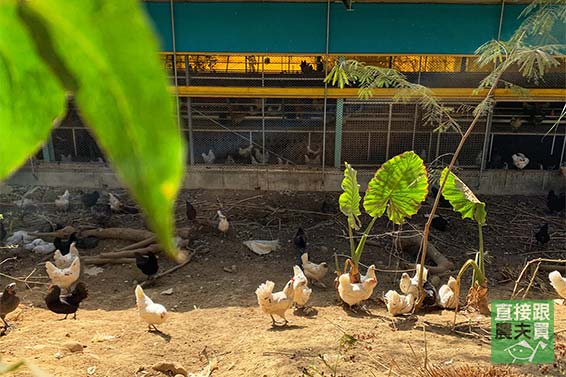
x: 245, y: 152
x: 275, y: 303
x: 300, y: 286
x: 223, y: 224
x: 151, y: 312
x: 410, y: 285
x: 262, y: 158
x: 370, y: 274
x: 399, y: 304
x: 115, y: 203
x: 64, y: 277
x: 354, y: 293
x: 62, y: 202
x: 558, y: 282
x: 447, y: 294
x: 64, y: 261
x: 209, y: 158
x: 520, y: 160
x: 314, y: 271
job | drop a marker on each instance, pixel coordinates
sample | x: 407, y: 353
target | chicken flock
x: 66, y: 292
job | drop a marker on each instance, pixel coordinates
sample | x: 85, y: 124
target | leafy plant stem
x: 352, y: 245
x: 361, y: 244
x: 477, y: 272
x: 426, y: 231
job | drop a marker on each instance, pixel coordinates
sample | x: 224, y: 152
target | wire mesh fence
x: 301, y: 133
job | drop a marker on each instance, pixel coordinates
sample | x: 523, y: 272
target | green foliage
x: 462, y: 198
x: 9, y: 368
x: 398, y: 187
x: 31, y: 100
x: 350, y: 199
x: 465, y: 202
x: 104, y: 53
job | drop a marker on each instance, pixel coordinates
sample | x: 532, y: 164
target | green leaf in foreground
x: 122, y: 94
x: 350, y: 198
x: 399, y: 186
x: 462, y: 198
x: 31, y: 99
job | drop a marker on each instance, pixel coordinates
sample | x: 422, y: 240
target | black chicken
x: 443, y: 203
x: 439, y: 223
x: 63, y: 246
x: 102, y: 214
x: 556, y: 203
x: 68, y: 304
x: 300, y: 241
x: 90, y: 199
x: 89, y: 242
x: 431, y: 295
x: 191, y: 211
x: 8, y: 302
x: 3, y: 232
x: 542, y: 235
x: 147, y: 264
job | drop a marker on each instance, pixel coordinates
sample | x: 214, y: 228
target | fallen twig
x: 143, y: 243
x: 538, y: 261
x: 173, y: 269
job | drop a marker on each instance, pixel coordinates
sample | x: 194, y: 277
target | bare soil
x: 214, y: 313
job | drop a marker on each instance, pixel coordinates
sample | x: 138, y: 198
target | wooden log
x: 129, y: 234
x: 155, y: 248
x: 100, y: 261
x: 139, y: 244
x: 415, y: 241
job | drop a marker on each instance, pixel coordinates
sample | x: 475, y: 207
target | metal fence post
x: 388, y: 132
x: 48, y: 151
x: 338, y: 133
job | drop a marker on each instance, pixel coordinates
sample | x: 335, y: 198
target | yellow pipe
x: 385, y: 93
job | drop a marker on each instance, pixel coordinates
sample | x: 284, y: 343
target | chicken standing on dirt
x: 354, y: 293
x: 64, y: 277
x: 67, y: 304
x: 147, y: 264
x: 447, y: 294
x: 300, y: 242
x: 191, y: 212
x: 559, y: 283
x: 314, y: 271
x: 300, y: 286
x: 223, y: 224
x: 8, y: 302
x: 90, y: 199
x: 151, y: 312
x: 410, y: 285
x: 64, y: 246
x: 64, y: 261
x: 542, y: 235
x: 275, y: 303
x: 399, y: 304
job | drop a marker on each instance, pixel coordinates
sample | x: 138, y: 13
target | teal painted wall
x: 301, y: 27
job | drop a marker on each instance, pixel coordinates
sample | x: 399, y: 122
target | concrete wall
x: 493, y: 182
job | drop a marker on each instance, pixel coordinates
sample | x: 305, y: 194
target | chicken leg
x: 274, y: 323
x: 6, y: 325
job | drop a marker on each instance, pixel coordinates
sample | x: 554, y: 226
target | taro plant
x: 398, y: 188
x: 463, y: 200
x: 532, y: 48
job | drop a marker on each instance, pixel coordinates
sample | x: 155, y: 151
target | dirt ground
x: 214, y: 313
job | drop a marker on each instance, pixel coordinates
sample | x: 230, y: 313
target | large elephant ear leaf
x: 398, y: 187
x: 462, y: 198
x: 350, y: 198
x: 105, y: 53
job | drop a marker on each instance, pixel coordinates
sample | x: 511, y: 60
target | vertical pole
x: 338, y: 133
x: 48, y: 151
x: 415, y: 116
x: 323, y: 157
x: 388, y: 132
x: 486, y: 141
x: 500, y: 20
x: 74, y: 142
x: 262, y: 129
x: 369, y: 147
x: 178, y: 112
